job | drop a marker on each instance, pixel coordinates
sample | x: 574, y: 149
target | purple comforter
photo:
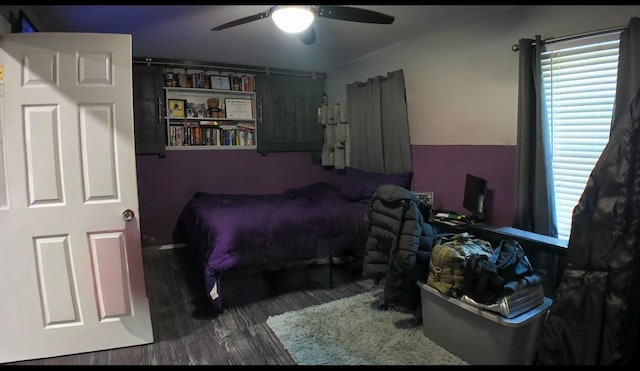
x: 248, y: 231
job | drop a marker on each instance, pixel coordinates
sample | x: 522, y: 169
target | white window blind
x: 580, y: 84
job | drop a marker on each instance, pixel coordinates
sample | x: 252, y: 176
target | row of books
x: 203, y: 80
x: 210, y: 135
x: 243, y: 83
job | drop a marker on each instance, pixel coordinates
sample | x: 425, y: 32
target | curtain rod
x: 239, y: 68
x: 516, y: 47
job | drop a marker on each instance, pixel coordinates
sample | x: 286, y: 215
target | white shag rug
x: 352, y: 331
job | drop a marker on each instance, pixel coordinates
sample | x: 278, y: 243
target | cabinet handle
x: 260, y: 114
x: 159, y: 102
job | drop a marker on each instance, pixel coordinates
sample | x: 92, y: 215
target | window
x: 580, y: 85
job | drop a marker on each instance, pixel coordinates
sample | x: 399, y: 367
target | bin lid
x: 516, y: 321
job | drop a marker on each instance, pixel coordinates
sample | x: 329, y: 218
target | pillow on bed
x: 359, y: 184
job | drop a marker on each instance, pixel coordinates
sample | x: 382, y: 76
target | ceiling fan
x: 302, y: 16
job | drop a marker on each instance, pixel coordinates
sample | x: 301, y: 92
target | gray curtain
x: 595, y: 319
x: 628, y: 73
x: 378, y: 125
x: 534, y: 204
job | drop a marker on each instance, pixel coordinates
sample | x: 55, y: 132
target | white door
x: 71, y: 275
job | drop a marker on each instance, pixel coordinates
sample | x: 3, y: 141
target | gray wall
x: 462, y: 83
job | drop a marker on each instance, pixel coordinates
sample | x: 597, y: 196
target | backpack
x: 448, y: 261
x: 511, y: 261
x: 485, y: 277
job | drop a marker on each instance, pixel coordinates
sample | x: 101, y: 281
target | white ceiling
x: 184, y: 32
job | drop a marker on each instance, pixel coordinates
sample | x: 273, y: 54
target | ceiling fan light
x: 292, y: 19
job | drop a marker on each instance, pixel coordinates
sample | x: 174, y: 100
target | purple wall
x: 166, y: 184
x: 442, y: 170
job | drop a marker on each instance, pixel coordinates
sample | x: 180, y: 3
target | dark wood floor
x: 186, y: 332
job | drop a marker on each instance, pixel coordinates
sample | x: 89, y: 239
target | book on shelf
x: 198, y: 80
x: 209, y: 123
x: 215, y: 136
x: 187, y: 136
x: 227, y: 126
x: 246, y: 125
x: 209, y: 136
x: 248, y: 82
x: 242, y: 137
x: 197, y: 137
x: 172, y: 136
x: 179, y: 136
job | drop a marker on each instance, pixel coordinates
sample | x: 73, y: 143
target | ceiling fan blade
x: 348, y: 13
x: 240, y: 21
x: 307, y: 36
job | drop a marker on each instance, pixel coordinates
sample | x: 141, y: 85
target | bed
x: 250, y: 232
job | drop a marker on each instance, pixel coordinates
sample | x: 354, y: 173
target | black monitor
x: 475, y: 194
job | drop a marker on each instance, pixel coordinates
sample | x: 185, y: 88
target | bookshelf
x: 198, y: 117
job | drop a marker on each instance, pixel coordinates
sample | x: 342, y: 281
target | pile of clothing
x: 398, y: 247
x: 501, y: 280
x: 403, y: 247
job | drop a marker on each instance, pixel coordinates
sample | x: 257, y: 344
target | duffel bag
x: 448, y: 260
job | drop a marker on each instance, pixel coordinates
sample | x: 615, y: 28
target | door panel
x: 288, y: 118
x: 73, y: 278
x: 97, y: 145
x: 42, y: 147
x: 148, y: 98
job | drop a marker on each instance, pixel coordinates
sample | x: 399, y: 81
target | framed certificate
x: 219, y: 82
x: 238, y: 108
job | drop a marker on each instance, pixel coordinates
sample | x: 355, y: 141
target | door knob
x: 128, y: 215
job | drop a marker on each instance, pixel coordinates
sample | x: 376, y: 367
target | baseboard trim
x: 148, y: 249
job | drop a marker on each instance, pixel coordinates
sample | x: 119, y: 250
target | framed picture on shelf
x: 238, y: 108
x: 219, y: 82
x: 189, y: 112
x: 425, y: 197
x: 177, y: 107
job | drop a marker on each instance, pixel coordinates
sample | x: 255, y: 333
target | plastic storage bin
x: 478, y: 336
